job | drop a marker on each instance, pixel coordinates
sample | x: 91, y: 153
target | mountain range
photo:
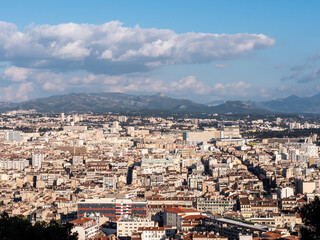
x: 116, y: 102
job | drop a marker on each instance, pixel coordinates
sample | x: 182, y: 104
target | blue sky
x: 202, y: 50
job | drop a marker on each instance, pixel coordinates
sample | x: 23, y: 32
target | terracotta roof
x: 81, y: 220
x: 180, y: 210
x: 244, y: 201
x: 195, y: 217
x: 272, y: 234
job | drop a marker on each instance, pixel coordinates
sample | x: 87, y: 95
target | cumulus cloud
x: 28, y: 82
x: 16, y: 92
x: 51, y: 86
x: 113, y: 49
x: 232, y: 89
x: 189, y: 83
x: 182, y: 87
x: 17, y: 74
x: 51, y: 81
x: 23, y: 90
x: 186, y: 87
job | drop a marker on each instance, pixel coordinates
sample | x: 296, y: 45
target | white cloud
x: 111, y: 48
x: 89, y: 79
x: 23, y: 90
x: 232, y: 89
x: 218, y: 87
x: 16, y: 74
x: 107, y: 54
x: 16, y: 92
x: 50, y: 82
x: 189, y: 83
x: 238, y: 88
x: 186, y: 87
x: 111, y: 57
x: 72, y: 50
x: 51, y: 86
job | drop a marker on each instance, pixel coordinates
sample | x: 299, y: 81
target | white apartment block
x: 126, y: 226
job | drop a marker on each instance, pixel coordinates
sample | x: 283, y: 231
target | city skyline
x: 215, y: 50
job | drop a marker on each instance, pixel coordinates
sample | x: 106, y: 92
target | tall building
x: 76, y: 118
x: 62, y: 117
x: 292, y: 153
x: 122, y: 118
x: 37, y: 159
x: 13, y: 136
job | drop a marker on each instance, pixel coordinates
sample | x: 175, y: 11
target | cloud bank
x: 110, y: 57
x: 113, y: 49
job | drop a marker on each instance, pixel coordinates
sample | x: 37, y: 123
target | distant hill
x: 102, y: 102
x: 238, y: 107
x: 118, y: 102
x: 293, y: 104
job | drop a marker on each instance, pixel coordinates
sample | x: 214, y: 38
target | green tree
x: 18, y: 228
x: 311, y: 220
x: 14, y: 227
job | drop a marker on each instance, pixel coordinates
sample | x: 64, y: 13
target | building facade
x: 113, y: 207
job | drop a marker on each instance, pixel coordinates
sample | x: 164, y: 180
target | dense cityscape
x: 159, y: 120
x: 152, y: 178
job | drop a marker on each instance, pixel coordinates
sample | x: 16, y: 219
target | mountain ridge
x: 116, y: 101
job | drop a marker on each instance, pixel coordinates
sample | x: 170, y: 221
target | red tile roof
x: 180, y: 210
x: 195, y: 217
x: 81, y: 220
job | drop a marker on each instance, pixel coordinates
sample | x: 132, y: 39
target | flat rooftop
x: 256, y: 227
